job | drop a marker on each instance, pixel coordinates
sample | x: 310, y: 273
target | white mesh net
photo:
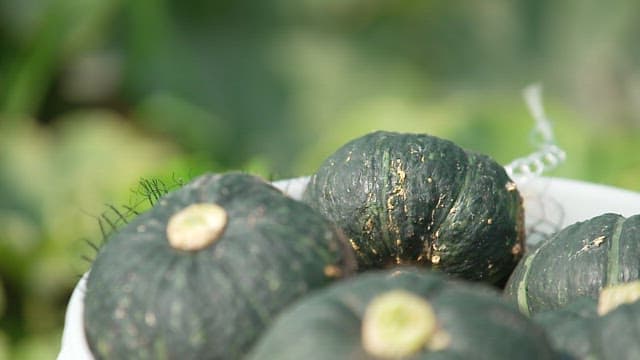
x: 544, y: 215
x: 547, y: 155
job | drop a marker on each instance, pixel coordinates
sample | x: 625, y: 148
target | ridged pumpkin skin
x: 418, y: 199
x: 478, y: 323
x: 577, y: 261
x: 577, y: 332
x: 567, y: 327
x: 148, y: 300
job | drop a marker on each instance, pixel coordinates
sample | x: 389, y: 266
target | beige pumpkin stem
x: 398, y: 324
x: 196, y: 226
x: 613, y: 296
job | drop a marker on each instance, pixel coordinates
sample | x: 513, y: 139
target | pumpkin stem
x: 613, y: 296
x: 398, y: 323
x: 196, y: 226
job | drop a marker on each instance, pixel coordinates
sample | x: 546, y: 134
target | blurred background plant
x: 97, y: 94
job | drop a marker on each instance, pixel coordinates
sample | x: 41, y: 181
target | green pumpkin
x: 204, y: 272
x: 577, y: 261
x: 421, y: 200
x: 592, y: 329
x: 407, y: 313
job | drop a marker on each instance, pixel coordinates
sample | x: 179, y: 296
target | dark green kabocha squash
x: 577, y: 261
x: 203, y: 272
x: 421, y: 200
x: 607, y: 328
x: 408, y: 313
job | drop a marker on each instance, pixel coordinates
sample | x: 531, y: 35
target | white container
x: 550, y: 204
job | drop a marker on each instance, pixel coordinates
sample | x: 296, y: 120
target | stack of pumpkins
x: 400, y: 248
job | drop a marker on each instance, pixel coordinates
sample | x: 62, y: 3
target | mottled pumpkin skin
x: 577, y: 261
x: 419, y: 199
x: 147, y: 300
x: 478, y: 322
x: 577, y: 332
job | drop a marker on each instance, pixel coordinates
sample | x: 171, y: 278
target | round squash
x: 407, y: 313
x: 596, y: 329
x: 577, y: 261
x: 203, y: 272
x: 421, y: 200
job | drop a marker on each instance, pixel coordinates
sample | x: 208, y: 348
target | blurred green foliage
x: 96, y: 94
